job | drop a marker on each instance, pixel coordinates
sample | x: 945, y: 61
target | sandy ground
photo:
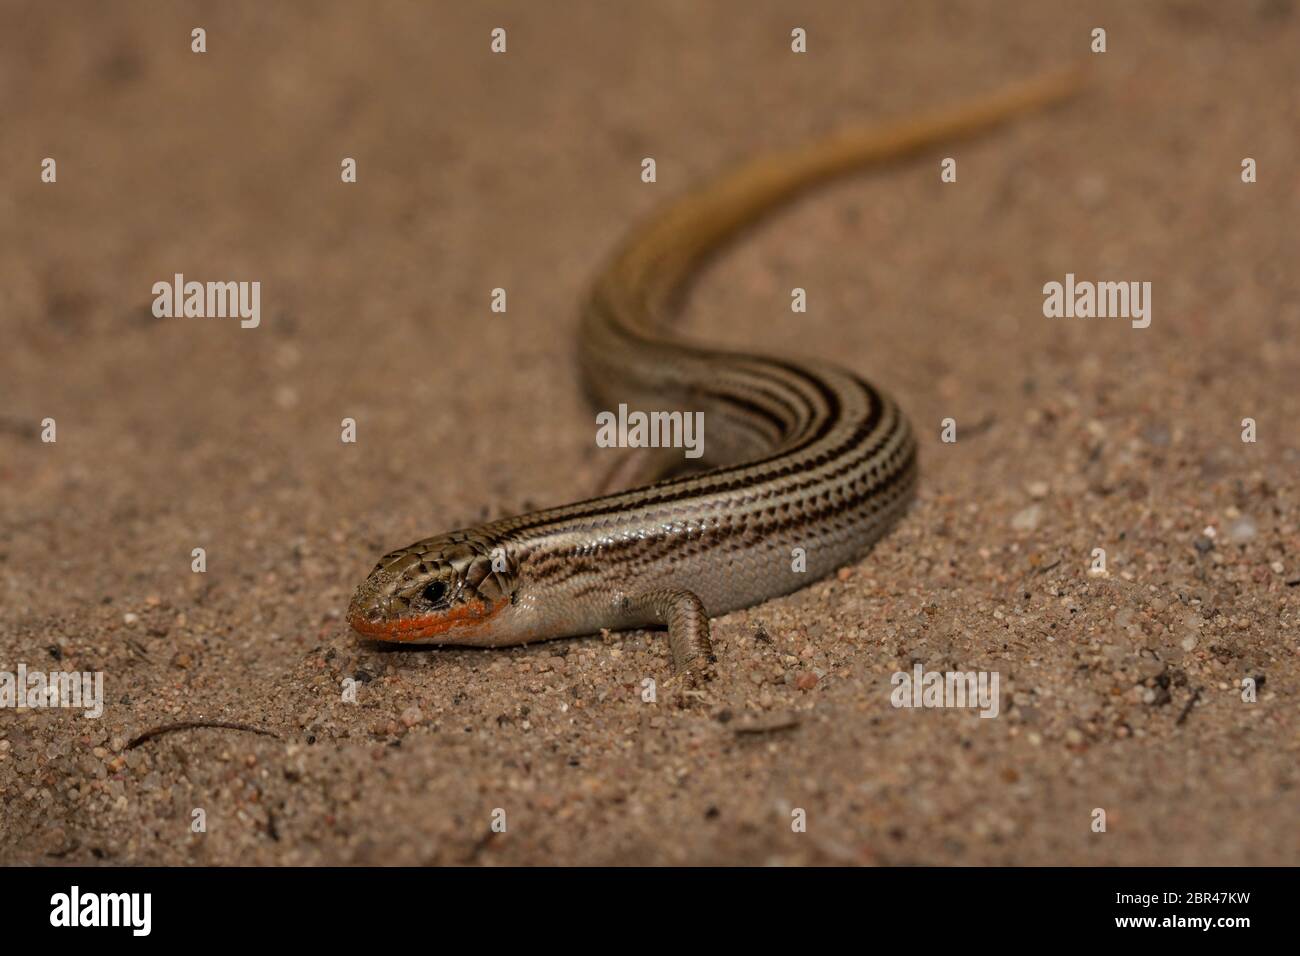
x: 1120, y: 692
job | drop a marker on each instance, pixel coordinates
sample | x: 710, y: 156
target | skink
x: 807, y: 464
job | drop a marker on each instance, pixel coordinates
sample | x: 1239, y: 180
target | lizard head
x: 443, y: 590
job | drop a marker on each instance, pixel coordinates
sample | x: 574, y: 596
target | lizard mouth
x: 447, y: 626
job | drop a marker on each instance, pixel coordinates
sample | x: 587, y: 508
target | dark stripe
x: 723, y: 539
x: 756, y: 527
x: 727, y: 478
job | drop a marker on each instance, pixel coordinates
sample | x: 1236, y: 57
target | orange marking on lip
x: 428, y: 625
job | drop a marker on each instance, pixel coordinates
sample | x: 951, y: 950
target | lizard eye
x: 434, y: 592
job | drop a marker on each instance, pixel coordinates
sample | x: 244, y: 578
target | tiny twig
x: 192, y: 724
x: 1196, y: 695
x: 766, y: 723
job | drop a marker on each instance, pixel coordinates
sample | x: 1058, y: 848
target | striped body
x: 808, y: 464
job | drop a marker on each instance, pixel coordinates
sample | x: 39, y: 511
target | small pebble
x: 1028, y: 519
x: 1242, y: 530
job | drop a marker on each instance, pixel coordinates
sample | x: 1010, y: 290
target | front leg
x: 682, y: 612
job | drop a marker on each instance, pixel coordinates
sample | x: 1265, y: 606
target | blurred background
x: 522, y: 171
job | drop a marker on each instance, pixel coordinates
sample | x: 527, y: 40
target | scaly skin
x: 803, y: 455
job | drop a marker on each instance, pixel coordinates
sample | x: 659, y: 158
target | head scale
x: 442, y: 590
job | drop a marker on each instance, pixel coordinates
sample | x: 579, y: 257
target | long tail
x: 662, y: 256
x: 627, y: 351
